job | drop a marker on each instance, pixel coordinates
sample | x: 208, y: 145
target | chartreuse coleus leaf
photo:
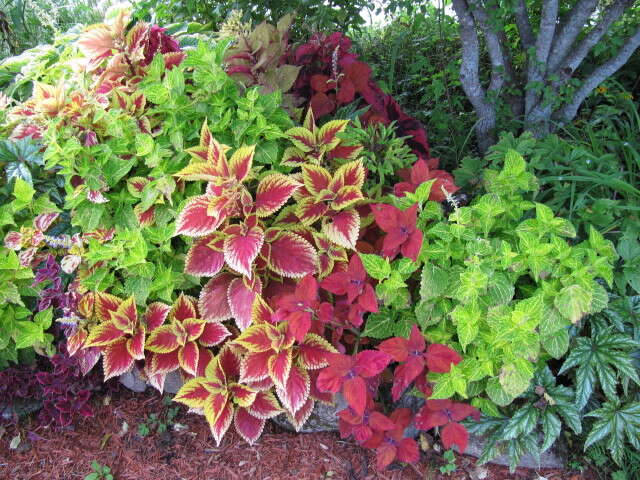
x: 501, y: 281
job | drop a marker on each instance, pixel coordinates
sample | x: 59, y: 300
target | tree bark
x: 470, y: 76
x: 599, y: 75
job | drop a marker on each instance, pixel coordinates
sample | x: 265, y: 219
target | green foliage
x: 21, y: 331
x: 499, y: 280
x: 617, y: 423
x: 26, y: 24
x: 450, y: 466
x: 545, y: 406
x: 589, y: 176
x: 148, y: 263
x: 416, y: 58
x: 602, y: 359
x: 314, y: 16
x: 100, y: 472
x: 383, y: 152
x: 159, y: 423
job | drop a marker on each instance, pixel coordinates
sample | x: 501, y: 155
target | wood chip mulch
x: 187, y: 451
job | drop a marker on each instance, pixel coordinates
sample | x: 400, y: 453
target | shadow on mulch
x: 189, y: 452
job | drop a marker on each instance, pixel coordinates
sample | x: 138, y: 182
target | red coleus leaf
x: 205, y: 257
x: 402, y: 233
x: 347, y: 374
x: 440, y: 357
x: 438, y: 413
x: 411, y: 353
x: 314, y: 352
x: 104, y: 304
x: 346, y: 92
x: 241, y: 246
x: 298, y: 308
x: 241, y: 161
x: 455, y: 434
x: 103, y: 334
x: 390, y: 444
x: 126, y: 315
x: 296, y: 390
x: 213, y: 334
x: 254, y: 366
x: 353, y: 283
x: 116, y: 359
x: 321, y: 105
x: 164, y: 362
x: 188, y: 357
x: 156, y: 315
x: 273, y: 192
x: 184, y: 308
x: 421, y: 173
x: 265, y: 406
x: 135, y: 344
x: 316, y: 178
x: 320, y: 83
x: 299, y: 418
x: 279, y: 367
x: 248, y: 427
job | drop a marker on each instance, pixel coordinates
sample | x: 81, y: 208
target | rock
x: 555, y: 457
x: 133, y: 380
x: 173, y: 382
x: 324, y: 418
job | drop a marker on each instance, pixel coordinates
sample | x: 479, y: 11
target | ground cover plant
x: 254, y: 216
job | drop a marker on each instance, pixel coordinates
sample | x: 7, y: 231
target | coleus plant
x: 241, y: 243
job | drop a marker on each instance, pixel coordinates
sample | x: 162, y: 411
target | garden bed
x: 186, y: 451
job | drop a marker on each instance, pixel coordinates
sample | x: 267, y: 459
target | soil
x: 187, y: 451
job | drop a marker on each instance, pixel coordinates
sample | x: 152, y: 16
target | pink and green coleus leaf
x: 241, y: 247
x: 343, y: 228
x: 206, y: 256
x: 290, y: 255
x: 196, y: 219
x: 273, y: 192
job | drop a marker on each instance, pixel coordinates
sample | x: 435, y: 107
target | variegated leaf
x: 314, y: 352
x: 213, y: 303
x: 302, y: 138
x: 205, y: 257
x: 241, y: 161
x: 241, y: 296
x: 241, y: 247
x: 296, y: 392
x: 343, y: 228
x: 192, y: 394
x: 194, y: 220
x: 273, y: 192
x: 116, y: 359
x: 248, y: 427
x: 292, y: 256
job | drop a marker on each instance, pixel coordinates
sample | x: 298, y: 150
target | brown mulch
x: 188, y: 452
